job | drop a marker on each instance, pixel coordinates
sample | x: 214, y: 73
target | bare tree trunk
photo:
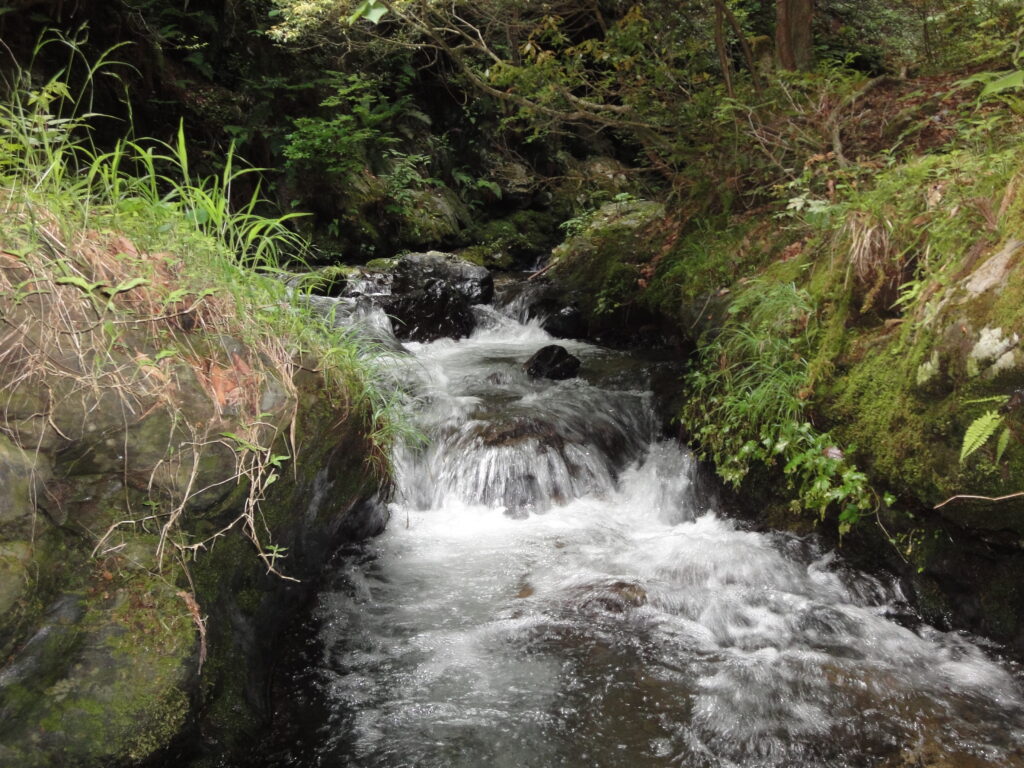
x: 721, y: 9
x: 794, y: 45
x: 723, y: 55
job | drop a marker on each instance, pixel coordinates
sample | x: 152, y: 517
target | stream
x: 558, y: 586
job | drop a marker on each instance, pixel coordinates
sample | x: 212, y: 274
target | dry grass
x: 874, y: 262
x: 99, y: 336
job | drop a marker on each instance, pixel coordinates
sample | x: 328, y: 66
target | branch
x: 1018, y: 494
x: 589, y: 112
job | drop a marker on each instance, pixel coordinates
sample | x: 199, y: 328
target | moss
x: 382, y: 265
x: 512, y: 241
x: 113, y: 676
x: 601, y: 266
x: 493, y: 255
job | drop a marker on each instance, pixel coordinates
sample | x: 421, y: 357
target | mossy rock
x: 381, y: 265
x: 514, y: 241
x: 431, y: 217
x: 602, y: 267
x: 22, y: 476
x: 303, y: 517
x: 106, y: 679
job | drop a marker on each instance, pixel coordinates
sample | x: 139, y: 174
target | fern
x: 981, y: 429
x: 1004, y: 441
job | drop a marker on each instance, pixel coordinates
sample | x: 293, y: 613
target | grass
x: 883, y: 255
x: 121, y: 268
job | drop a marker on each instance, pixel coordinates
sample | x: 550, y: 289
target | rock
x: 605, y: 264
x: 450, y: 273
x: 565, y: 323
x: 107, y: 676
x: 433, y: 216
x: 994, y: 271
x: 552, y: 362
x: 516, y: 241
x: 429, y: 314
x: 21, y: 478
x: 430, y: 295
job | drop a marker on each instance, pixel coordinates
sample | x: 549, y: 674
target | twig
x: 541, y: 271
x: 979, y: 498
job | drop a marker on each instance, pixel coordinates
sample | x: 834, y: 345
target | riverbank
x: 182, y: 444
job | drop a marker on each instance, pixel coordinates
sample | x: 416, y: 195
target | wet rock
x: 428, y: 295
x: 446, y: 274
x: 565, y: 323
x: 430, y: 313
x: 515, y: 431
x: 615, y: 597
x: 552, y: 362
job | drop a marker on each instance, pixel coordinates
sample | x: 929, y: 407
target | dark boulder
x: 430, y: 313
x: 448, y: 272
x: 565, y: 323
x: 552, y: 362
x: 429, y: 295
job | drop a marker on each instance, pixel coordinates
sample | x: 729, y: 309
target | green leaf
x: 978, y: 433
x: 78, y: 282
x: 1004, y: 441
x: 127, y: 285
x: 1005, y: 83
x: 368, y: 9
x: 243, y: 443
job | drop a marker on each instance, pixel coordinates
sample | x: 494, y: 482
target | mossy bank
x: 857, y: 362
x: 182, y: 447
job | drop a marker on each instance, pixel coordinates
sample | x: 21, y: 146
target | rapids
x: 558, y: 587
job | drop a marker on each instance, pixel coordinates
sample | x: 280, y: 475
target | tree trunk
x: 794, y: 45
x: 723, y: 54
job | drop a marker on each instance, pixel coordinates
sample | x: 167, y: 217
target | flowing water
x: 554, y: 589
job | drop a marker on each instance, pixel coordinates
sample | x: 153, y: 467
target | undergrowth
x: 878, y: 248
x: 749, y: 403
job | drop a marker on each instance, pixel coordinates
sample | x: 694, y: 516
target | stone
x: 21, y: 477
x: 423, y: 270
x: 994, y: 271
x: 552, y: 362
x: 565, y: 323
x: 430, y: 295
x: 429, y: 314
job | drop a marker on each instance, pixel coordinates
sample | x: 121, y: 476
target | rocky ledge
x: 173, y: 478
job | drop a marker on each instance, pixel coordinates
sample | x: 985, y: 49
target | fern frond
x: 1004, y: 441
x: 978, y: 433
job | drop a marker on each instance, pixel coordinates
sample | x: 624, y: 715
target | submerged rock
x: 552, y: 362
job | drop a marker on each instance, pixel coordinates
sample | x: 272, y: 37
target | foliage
x: 355, y: 130
x: 213, y: 261
x: 748, y: 403
x: 978, y: 433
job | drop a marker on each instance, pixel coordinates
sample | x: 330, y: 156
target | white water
x: 553, y: 591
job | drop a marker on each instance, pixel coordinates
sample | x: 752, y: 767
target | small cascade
x: 558, y: 588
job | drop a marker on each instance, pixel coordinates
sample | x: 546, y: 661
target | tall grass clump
x: 127, y: 248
